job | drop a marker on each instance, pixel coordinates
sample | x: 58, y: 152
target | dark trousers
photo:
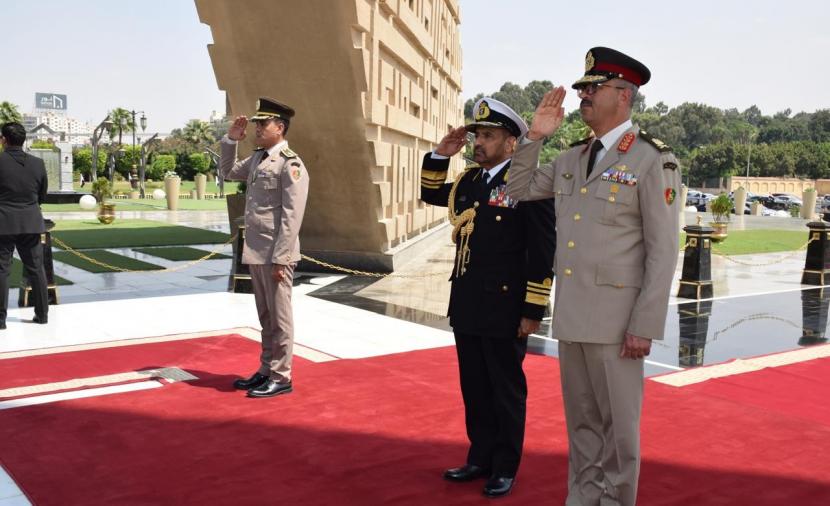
x: 494, y: 389
x: 30, y: 250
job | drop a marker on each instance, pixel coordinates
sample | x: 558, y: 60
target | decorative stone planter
x: 171, y: 188
x: 135, y: 194
x: 200, y: 180
x: 808, y: 210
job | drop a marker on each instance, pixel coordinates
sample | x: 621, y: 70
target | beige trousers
x: 603, y: 397
x: 273, y: 304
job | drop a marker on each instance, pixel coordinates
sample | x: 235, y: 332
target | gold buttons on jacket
x: 577, y: 217
x: 583, y: 190
x: 571, y: 244
x: 498, y: 217
x: 568, y: 272
x: 612, y: 199
x: 476, y: 204
x: 503, y: 288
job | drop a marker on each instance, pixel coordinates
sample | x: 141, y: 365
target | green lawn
x: 745, y: 242
x: 16, y: 275
x: 143, y: 205
x: 125, y: 233
x: 106, y: 257
x: 178, y: 253
x: 186, y: 186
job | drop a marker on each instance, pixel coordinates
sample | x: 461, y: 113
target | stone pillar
x: 696, y: 279
x: 694, y: 328
x: 23, y: 299
x: 240, y: 278
x: 817, y: 262
x: 684, y: 195
x: 814, y: 308
x: 755, y: 208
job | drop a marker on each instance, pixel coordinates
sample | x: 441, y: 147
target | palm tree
x: 122, y: 121
x: 197, y: 132
x: 9, y: 112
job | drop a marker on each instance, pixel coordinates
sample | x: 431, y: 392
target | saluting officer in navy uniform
x: 500, y: 287
x: 617, y: 231
x: 277, y: 189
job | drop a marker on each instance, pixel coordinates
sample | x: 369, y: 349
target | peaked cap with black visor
x: 489, y: 112
x: 603, y: 64
x: 267, y: 108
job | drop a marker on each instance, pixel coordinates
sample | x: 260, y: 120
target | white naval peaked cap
x: 490, y: 112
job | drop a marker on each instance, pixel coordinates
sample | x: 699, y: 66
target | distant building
x: 68, y: 129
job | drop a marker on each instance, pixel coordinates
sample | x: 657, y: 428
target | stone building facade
x: 375, y: 83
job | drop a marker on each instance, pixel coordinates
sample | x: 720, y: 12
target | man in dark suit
x: 22, y: 188
x: 500, y: 287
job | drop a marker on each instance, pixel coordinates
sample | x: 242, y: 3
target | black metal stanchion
x: 815, y: 303
x: 817, y: 263
x: 694, y: 327
x: 23, y: 299
x: 240, y: 278
x: 696, y: 279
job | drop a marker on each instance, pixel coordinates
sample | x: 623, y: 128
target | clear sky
x: 151, y: 55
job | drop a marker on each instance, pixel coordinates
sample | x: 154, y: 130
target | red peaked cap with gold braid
x: 603, y: 64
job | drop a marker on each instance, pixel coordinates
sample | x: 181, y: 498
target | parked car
x: 785, y: 201
x: 698, y: 199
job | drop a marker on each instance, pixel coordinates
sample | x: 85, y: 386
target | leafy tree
x: 199, y: 162
x: 38, y: 144
x: 82, y: 159
x: 125, y: 161
x: 9, y: 112
x: 160, y: 165
x: 514, y: 96
x: 820, y: 125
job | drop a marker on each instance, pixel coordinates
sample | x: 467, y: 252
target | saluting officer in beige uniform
x: 277, y: 184
x: 617, y: 246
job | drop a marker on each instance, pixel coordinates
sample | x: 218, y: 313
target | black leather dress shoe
x: 254, y: 381
x: 467, y: 472
x: 2, y: 325
x: 498, y: 486
x: 40, y: 319
x: 270, y: 388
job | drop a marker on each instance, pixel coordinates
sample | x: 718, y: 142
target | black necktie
x: 485, y: 178
x: 595, y: 147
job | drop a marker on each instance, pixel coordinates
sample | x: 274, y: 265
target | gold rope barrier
x: 763, y: 264
x: 105, y: 265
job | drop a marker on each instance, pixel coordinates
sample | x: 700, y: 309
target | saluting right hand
x: 237, y: 130
x: 549, y: 115
x: 453, y: 142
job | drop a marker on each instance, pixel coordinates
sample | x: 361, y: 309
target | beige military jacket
x: 275, y: 202
x: 617, y: 235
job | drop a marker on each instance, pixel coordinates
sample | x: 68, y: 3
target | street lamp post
x: 220, y: 181
x: 143, y: 128
x: 145, y: 150
x: 96, y: 137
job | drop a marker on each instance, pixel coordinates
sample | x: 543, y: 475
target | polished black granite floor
x: 697, y: 333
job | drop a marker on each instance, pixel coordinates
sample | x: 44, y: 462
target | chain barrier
x: 378, y: 275
x: 115, y: 268
x: 763, y: 264
x: 217, y: 251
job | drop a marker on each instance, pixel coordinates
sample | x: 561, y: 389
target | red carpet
x: 381, y: 430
